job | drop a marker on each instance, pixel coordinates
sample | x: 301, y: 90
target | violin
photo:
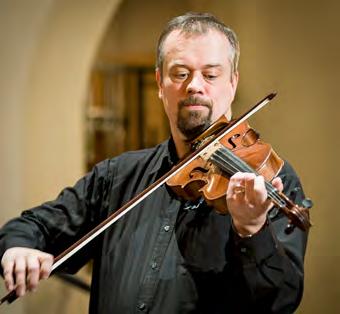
x: 222, y: 150
x: 240, y: 150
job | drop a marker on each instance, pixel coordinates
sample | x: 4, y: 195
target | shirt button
x: 243, y: 249
x: 182, y: 271
x: 142, y: 306
x: 167, y: 228
x: 153, y: 265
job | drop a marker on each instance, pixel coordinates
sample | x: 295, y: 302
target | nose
x: 195, y: 84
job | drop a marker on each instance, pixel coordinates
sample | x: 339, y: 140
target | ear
x: 159, y: 83
x: 234, y: 81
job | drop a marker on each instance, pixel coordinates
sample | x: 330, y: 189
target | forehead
x: 210, y: 47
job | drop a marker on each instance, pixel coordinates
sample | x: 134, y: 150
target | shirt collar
x: 167, y: 158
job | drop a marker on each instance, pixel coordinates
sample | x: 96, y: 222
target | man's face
x: 197, y: 85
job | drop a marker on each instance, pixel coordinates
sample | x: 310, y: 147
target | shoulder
x: 143, y: 156
x: 140, y: 155
x: 148, y: 158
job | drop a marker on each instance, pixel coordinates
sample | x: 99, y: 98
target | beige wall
x: 291, y: 46
x: 47, y: 49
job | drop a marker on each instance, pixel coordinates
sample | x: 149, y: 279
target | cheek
x: 170, y: 105
x: 222, y: 103
x: 170, y: 97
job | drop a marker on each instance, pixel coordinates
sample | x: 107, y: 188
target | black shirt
x: 167, y: 255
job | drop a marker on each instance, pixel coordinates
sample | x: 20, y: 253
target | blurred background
x: 77, y: 86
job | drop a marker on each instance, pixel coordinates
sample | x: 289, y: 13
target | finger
x: 277, y: 183
x: 20, y: 276
x: 33, y: 272
x: 7, y: 266
x: 260, y: 192
x: 249, y: 183
x: 235, y: 182
x: 46, y: 266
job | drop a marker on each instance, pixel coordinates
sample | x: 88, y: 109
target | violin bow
x: 110, y: 220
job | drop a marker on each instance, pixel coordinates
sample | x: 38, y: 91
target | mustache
x: 194, y: 100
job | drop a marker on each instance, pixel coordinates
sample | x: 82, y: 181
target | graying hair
x: 198, y: 23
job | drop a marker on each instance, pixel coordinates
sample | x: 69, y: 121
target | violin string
x: 232, y: 168
x: 230, y: 163
x: 237, y: 164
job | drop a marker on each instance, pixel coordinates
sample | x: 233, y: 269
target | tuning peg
x: 307, y: 203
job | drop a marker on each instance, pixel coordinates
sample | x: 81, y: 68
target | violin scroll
x: 299, y: 216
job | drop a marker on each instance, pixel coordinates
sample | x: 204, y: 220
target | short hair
x: 198, y: 23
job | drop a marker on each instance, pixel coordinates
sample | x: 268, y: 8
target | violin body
x: 201, y: 178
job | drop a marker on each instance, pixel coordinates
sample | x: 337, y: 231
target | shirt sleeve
x: 54, y: 226
x: 268, y: 266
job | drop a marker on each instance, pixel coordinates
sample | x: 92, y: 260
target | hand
x: 247, y: 201
x: 24, y: 267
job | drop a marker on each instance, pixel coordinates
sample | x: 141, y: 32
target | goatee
x: 193, y: 123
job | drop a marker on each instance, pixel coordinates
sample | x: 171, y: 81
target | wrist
x: 247, y: 231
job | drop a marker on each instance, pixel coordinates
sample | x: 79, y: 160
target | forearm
x: 54, y: 226
x: 268, y: 268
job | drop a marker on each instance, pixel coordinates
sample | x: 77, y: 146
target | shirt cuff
x: 257, y: 248
x: 14, y: 242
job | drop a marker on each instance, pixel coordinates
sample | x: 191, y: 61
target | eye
x: 180, y: 76
x: 210, y: 77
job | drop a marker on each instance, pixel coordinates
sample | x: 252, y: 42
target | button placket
x: 151, y: 277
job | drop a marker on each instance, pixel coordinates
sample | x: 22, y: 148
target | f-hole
x: 231, y: 140
x: 197, y: 170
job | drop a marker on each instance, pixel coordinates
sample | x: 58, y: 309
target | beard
x: 193, y: 123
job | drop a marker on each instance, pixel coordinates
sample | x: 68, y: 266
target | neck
x: 182, y: 146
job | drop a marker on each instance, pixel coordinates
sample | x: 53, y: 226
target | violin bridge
x: 211, y: 149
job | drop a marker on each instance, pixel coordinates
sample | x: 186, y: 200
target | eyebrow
x: 207, y: 66
x: 213, y: 65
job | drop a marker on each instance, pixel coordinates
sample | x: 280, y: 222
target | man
x: 169, y: 255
